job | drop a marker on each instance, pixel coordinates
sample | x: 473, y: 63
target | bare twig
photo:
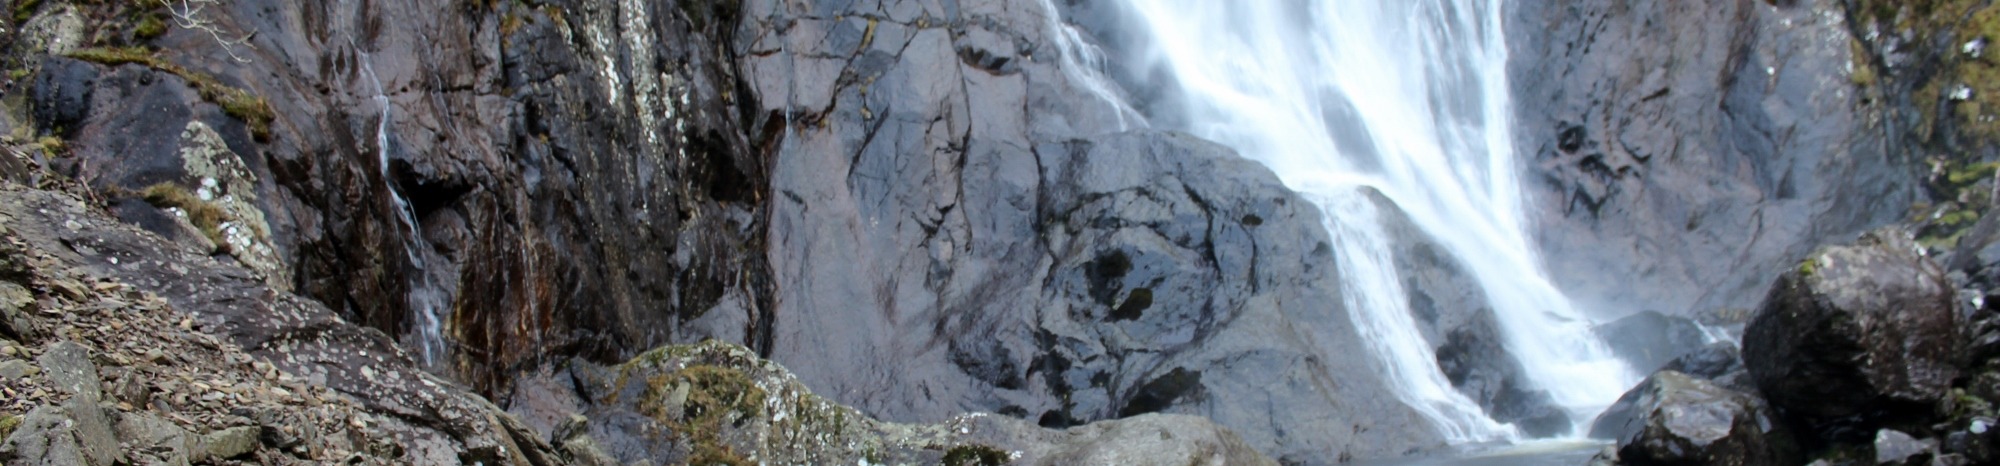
x: 187, y: 15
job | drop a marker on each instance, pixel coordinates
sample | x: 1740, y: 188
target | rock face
x: 921, y: 205
x: 1857, y: 336
x: 1688, y: 151
x: 959, y: 225
x: 515, y: 179
x: 1683, y: 420
x: 242, y: 370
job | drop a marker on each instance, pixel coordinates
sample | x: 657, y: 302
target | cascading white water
x: 1408, y: 98
x: 1083, y: 63
x: 423, y: 299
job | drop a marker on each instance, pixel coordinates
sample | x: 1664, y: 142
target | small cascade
x: 1084, y: 63
x: 1407, y: 99
x: 425, y: 301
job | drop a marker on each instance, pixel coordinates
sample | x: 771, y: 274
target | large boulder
x: 1719, y: 363
x: 1682, y: 420
x: 1857, y: 336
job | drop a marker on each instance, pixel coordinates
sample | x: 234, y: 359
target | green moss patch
x: 235, y: 102
x: 698, y: 402
x: 205, y: 216
x: 975, y: 455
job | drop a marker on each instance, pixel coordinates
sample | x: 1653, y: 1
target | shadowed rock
x: 1683, y: 420
x: 1856, y: 336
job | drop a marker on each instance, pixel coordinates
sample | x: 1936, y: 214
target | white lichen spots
x: 228, y: 183
x: 57, y: 33
x: 207, y: 189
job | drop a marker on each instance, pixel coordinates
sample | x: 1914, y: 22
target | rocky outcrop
x: 1688, y: 151
x: 486, y: 182
x: 1683, y: 420
x: 1857, y: 337
x: 124, y: 376
x: 144, y: 341
x: 716, y: 403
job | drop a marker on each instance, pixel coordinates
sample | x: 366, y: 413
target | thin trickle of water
x: 423, y: 298
x: 1409, y: 99
x: 1083, y: 63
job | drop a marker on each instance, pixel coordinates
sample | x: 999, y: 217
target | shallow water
x: 1535, y: 453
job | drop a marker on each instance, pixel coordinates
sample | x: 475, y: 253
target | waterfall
x: 1083, y: 63
x: 423, y: 299
x: 1408, y: 99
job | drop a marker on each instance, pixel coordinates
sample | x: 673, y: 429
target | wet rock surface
x: 1857, y: 336
x: 1720, y: 364
x: 1682, y: 420
x: 959, y: 225
x: 1685, y: 152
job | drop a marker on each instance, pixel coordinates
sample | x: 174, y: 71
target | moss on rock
x: 236, y: 102
x: 205, y: 215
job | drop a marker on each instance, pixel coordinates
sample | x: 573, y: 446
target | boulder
x: 227, y: 443
x: 1893, y: 447
x: 75, y: 432
x: 1684, y: 420
x: 68, y: 366
x: 1648, y: 339
x: 1855, y: 337
x: 1718, y: 363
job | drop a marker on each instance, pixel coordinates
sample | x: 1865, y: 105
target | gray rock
x: 1153, y: 439
x: 433, y: 419
x: 584, y: 451
x: 15, y: 302
x: 1683, y: 420
x: 68, y: 367
x: 1686, y: 187
x: 93, y: 431
x: 1893, y: 447
x: 227, y: 443
x: 15, y: 369
x: 168, y: 443
x: 1857, y: 336
x: 1034, y: 258
x: 46, y: 436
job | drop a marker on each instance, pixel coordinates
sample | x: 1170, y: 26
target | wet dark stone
x: 62, y: 93
x: 1681, y: 420
x: 1858, y: 337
